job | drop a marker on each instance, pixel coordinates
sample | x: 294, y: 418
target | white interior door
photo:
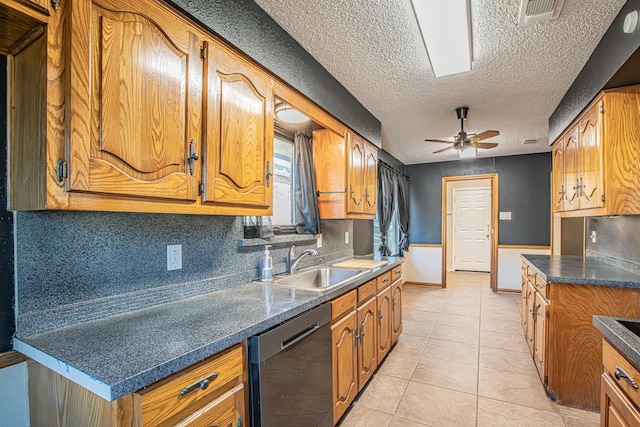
x: 472, y: 229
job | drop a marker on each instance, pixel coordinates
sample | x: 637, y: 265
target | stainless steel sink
x: 632, y: 326
x: 318, y: 279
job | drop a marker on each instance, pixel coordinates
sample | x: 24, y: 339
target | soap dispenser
x: 266, y: 265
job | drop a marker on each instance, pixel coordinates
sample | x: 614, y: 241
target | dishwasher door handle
x: 295, y: 339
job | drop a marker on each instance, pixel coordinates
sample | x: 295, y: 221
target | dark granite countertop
x: 581, y: 271
x: 624, y: 340
x: 118, y: 355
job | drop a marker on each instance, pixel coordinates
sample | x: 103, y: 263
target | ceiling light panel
x: 445, y: 28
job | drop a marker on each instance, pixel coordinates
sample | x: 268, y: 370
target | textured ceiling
x: 518, y: 76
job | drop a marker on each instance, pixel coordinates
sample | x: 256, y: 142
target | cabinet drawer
x: 343, y: 304
x: 174, y: 398
x: 524, y: 268
x: 530, y: 275
x: 541, y: 286
x: 227, y: 410
x: 383, y: 280
x: 366, y: 291
x: 396, y: 273
x: 613, y: 361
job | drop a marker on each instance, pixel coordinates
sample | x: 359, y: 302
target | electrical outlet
x: 319, y: 241
x: 346, y: 237
x: 174, y: 257
x: 593, y: 236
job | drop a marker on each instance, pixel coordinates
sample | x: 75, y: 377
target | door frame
x: 493, y: 177
x: 453, y: 218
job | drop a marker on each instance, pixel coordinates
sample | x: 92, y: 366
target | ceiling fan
x: 464, y: 140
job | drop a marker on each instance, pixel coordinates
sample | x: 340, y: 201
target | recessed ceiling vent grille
x: 532, y: 11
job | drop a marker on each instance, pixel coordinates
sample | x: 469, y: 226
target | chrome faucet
x: 293, y: 260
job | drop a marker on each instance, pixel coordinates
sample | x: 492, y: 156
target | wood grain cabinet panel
x: 396, y: 310
x: 345, y: 364
x: 355, y: 181
x: 367, y: 355
x: 135, y: 102
x: 370, y: 178
x: 541, y: 336
x: 615, y: 409
x: 531, y: 317
x: 239, y: 128
x: 384, y: 322
x: 226, y: 411
x: 600, y: 161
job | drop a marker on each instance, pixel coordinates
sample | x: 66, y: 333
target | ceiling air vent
x: 532, y: 11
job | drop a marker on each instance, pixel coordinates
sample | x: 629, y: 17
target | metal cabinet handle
x: 193, y: 156
x: 379, y: 316
x: 361, y: 333
x: 269, y: 173
x: 620, y: 373
x: 202, y: 384
x: 385, y: 280
x: 397, y: 271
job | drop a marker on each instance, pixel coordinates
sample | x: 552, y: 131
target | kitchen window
x: 393, y: 236
x: 283, y: 219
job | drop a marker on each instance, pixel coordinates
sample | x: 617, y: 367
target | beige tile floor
x: 461, y: 360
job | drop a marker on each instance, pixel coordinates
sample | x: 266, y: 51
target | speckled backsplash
x: 617, y: 240
x: 78, y: 266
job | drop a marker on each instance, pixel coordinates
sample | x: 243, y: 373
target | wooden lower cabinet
x: 367, y: 355
x: 56, y: 401
x: 345, y: 364
x: 396, y: 310
x: 364, y: 328
x: 616, y: 410
x: 565, y: 346
x: 384, y: 322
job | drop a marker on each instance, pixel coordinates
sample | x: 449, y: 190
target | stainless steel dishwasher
x: 290, y: 372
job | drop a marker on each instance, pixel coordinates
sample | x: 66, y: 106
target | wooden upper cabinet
x: 601, y: 163
x: 356, y: 174
x: 590, y: 180
x: 370, y: 178
x: 239, y: 132
x: 557, y: 178
x: 571, y: 169
x: 135, y: 102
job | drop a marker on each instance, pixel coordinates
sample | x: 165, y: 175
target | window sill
x: 281, y: 239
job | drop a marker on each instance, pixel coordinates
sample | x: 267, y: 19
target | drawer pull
x: 620, y: 373
x: 397, y: 272
x: 385, y: 280
x: 202, y: 384
x: 538, y: 285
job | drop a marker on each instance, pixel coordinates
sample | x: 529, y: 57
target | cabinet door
x: 329, y: 158
x: 526, y: 295
x: 396, y: 310
x: 531, y: 316
x: 615, y: 408
x: 367, y: 355
x: 135, y: 101
x: 541, y: 327
x: 345, y: 364
x: 226, y: 411
x: 557, y: 178
x: 238, y: 154
x: 355, y: 175
x: 384, y: 322
x: 570, y: 142
x: 590, y: 179
x: 370, y: 178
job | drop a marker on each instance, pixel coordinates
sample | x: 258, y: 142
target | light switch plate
x: 505, y: 216
x: 174, y: 257
x: 346, y: 237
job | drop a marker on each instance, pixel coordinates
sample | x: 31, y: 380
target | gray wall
x: 362, y: 236
x: 523, y: 190
x: 606, y: 60
x: 245, y: 25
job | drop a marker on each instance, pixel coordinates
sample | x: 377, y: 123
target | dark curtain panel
x: 402, y: 197
x: 386, y: 190
x: 307, y: 217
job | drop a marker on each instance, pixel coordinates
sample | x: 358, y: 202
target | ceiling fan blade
x: 444, y: 149
x: 485, y: 145
x: 439, y: 140
x: 485, y: 135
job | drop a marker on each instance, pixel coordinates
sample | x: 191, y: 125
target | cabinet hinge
x: 203, y: 52
x: 61, y: 170
x: 200, y: 188
x: 240, y: 422
x: 55, y: 4
x: 602, y: 108
x: 603, y: 198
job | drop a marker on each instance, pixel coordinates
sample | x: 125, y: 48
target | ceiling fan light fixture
x: 445, y: 28
x: 288, y: 114
x: 467, y: 152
